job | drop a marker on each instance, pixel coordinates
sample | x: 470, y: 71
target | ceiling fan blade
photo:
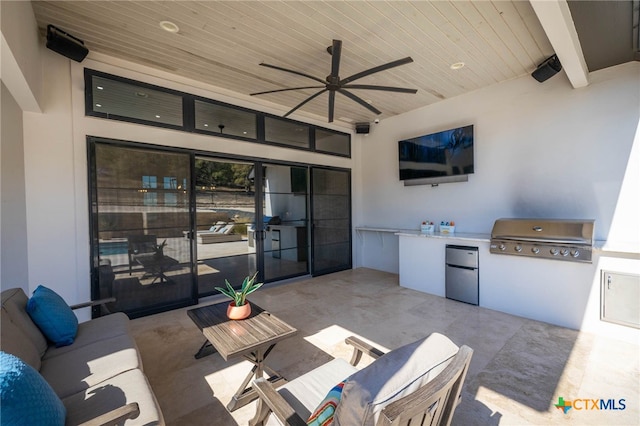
x: 275, y: 67
x: 336, y: 52
x: 284, y: 90
x: 385, y: 88
x: 332, y: 104
x: 305, y: 101
x: 379, y: 68
x: 360, y: 101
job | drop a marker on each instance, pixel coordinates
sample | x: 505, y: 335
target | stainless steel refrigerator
x: 461, y: 277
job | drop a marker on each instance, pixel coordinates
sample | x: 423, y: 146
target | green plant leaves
x: 239, y: 296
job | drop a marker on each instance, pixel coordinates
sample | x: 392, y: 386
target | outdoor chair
x: 140, y: 246
x: 417, y: 384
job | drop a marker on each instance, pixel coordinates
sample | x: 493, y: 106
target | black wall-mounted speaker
x: 65, y: 44
x: 362, y: 128
x: 547, y: 69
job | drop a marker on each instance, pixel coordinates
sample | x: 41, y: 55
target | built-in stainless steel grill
x: 562, y: 239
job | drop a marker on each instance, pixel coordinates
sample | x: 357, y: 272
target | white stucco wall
x: 544, y: 150
x: 13, y: 224
x: 56, y: 163
x: 21, y: 68
x: 541, y: 150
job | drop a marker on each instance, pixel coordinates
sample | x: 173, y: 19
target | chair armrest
x: 115, y: 417
x: 93, y: 303
x: 272, y: 401
x: 360, y: 347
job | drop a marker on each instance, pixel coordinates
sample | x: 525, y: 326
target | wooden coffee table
x: 252, y: 338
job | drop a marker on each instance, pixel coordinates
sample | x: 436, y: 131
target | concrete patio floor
x: 519, y: 368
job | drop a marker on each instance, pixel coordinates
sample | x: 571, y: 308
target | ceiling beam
x: 556, y: 20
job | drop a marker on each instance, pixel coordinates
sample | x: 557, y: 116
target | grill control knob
x: 535, y: 250
x: 564, y: 252
x: 575, y: 253
x: 554, y: 251
x: 518, y: 248
x: 502, y: 247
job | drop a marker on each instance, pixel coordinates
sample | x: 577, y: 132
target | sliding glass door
x: 140, y: 210
x: 331, y: 213
x: 249, y: 217
x: 285, y: 221
x: 225, y: 204
x: 168, y: 226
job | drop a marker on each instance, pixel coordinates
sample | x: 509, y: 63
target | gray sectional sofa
x: 99, y: 374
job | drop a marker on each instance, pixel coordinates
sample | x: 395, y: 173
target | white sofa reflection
x: 221, y: 232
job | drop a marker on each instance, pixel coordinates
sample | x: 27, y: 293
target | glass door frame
x: 349, y: 264
x: 94, y: 229
x: 260, y: 226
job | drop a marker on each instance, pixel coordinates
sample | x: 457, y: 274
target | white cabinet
x: 292, y: 242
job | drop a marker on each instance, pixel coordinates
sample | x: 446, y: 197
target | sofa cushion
x: 53, y: 316
x: 130, y: 386
x: 93, y: 331
x: 26, y: 398
x: 14, y: 302
x: 306, y: 392
x: 391, y: 377
x: 91, y: 364
x: 14, y: 341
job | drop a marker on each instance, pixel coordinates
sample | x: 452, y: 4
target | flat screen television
x: 437, y: 155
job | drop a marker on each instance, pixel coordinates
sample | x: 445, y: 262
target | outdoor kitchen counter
x: 456, y: 235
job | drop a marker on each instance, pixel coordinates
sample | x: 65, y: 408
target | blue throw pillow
x: 53, y: 316
x: 26, y: 398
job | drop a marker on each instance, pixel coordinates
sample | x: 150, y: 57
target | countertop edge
x: 601, y: 246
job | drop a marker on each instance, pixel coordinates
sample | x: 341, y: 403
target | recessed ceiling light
x: 169, y: 26
x: 457, y: 65
x: 142, y: 95
x: 157, y: 116
x: 99, y: 87
x: 244, y: 133
x: 206, y: 125
x: 99, y: 105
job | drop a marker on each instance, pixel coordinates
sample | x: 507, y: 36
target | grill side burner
x: 562, y: 239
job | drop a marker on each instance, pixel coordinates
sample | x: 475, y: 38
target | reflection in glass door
x: 284, y: 205
x: 225, y: 223
x: 140, y: 210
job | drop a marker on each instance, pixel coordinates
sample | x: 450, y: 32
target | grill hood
x: 544, y: 230
x: 562, y: 239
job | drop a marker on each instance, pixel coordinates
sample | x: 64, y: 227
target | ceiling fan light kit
x: 334, y: 84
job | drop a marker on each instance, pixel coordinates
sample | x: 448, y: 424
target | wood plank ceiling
x: 222, y: 43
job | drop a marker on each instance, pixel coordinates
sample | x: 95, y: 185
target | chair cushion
x: 323, y: 416
x: 391, y: 377
x: 26, y: 398
x: 14, y: 341
x: 306, y: 392
x: 53, y: 316
x: 14, y: 303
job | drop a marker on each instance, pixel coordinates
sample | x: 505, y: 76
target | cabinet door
x: 620, y: 295
x: 462, y: 284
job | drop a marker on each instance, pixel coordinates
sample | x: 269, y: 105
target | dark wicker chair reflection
x: 139, y: 246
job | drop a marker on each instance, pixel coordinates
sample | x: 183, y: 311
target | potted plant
x: 239, y: 308
x: 158, y: 250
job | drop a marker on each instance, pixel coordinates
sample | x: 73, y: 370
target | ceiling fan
x: 333, y: 83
